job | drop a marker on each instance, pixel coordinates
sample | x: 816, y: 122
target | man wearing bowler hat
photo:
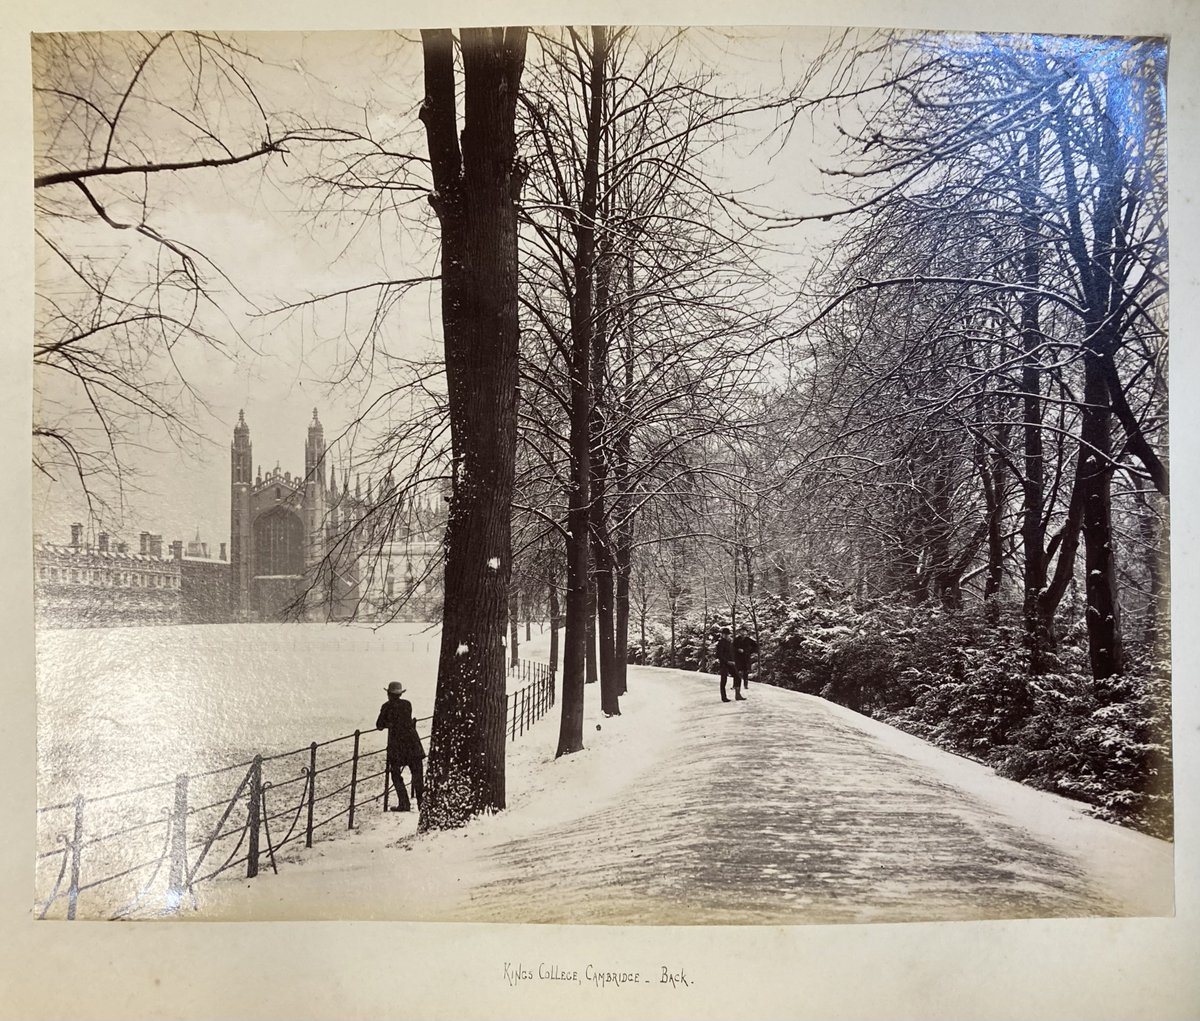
x: 404, y: 745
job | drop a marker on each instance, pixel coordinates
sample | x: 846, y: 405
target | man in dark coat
x: 404, y: 745
x: 744, y: 648
x: 727, y: 659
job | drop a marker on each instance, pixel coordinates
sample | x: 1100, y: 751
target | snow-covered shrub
x: 657, y: 637
x: 1104, y: 742
x: 693, y: 642
x: 797, y: 646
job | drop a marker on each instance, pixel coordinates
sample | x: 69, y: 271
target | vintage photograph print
x: 601, y: 475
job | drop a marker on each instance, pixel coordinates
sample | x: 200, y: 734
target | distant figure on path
x: 404, y: 745
x: 745, y: 649
x: 727, y: 658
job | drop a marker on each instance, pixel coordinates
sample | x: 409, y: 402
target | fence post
x: 252, y: 816
x: 76, y: 841
x: 353, y: 780
x: 312, y: 790
x: 177, y: 881
x: 514, y: 716
x: 386, y: 784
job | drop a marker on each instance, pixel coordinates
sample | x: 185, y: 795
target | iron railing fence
x: 142, y: 852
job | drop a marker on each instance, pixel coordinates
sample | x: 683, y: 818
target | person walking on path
x: 727, y: 658
x: 745, y: 649
x: 404, y: 746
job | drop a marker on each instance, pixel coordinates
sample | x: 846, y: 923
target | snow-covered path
x: 783, y: 808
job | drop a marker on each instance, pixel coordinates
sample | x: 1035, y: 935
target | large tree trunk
x: 602, y: 557
x: 991, y: 477
x: 575, y: 641
x: 1103, y: 613
x: 1098, y: 270
x: 623, y: 563
x: 1038, y: 616
x: 570, y: 735
x: 1152, y: 526
x: 622, y: 511
x: 514, y: 624
x: 610, y: 690
x: 475, y: 192
x: 591, y: 663
x: 552, y: 603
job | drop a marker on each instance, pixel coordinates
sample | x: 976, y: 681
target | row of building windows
x: 413, y: 585
x: 107, y: 578
x: 410, y: 588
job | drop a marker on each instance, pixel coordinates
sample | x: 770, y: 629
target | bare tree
x: 121, y: 302
x: 1053, y: 152
x: 656, y: 268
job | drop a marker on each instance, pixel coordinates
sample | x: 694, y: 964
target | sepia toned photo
x: 601, y: 475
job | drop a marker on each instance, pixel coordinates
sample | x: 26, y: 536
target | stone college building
x: 300, y: 548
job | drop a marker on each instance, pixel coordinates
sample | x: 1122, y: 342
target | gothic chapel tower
x: 314, y: 491
x: 277, y: 529
x: 241, y: 481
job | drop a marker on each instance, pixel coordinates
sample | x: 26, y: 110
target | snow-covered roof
x: 92, y: 552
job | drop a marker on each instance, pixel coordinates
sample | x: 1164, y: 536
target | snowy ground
x: 123, y: 711
x: 785, y: 808
x: 122, y: 706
